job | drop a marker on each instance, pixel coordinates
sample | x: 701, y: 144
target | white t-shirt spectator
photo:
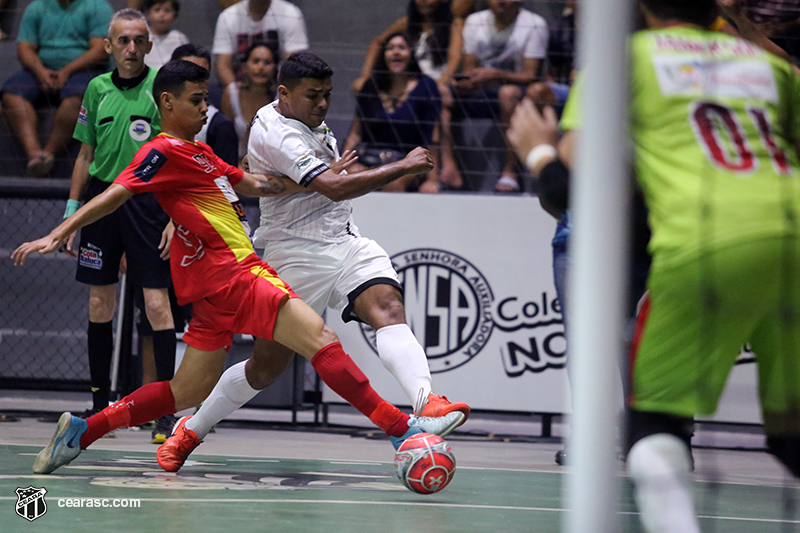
x: 163, y: 46
x: 282, y: 28
x: 505, y: 50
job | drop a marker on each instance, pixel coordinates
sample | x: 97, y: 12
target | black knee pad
x: 787, y: 450
x: 642, y: 424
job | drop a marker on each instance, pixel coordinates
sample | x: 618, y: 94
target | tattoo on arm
x: 271, y: 186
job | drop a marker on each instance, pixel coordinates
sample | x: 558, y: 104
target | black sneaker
x: 87, y: 413
x: 163, y: 429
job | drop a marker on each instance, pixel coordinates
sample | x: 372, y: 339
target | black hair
x: 258, y: 44
x: 173, y: 75
x: 190, y: 50
x: 302, y: 65
x: 246, y: 56
x: 700, y: 12
x: 176, y: 6
x: 380, y: 72
x: 439, y: 42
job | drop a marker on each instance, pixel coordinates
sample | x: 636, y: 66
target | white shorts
x: 331, y: 275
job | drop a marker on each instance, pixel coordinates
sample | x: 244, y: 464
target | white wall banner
x: 479, y: 296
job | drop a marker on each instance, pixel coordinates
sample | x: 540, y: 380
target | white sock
x: 402, y: 355
x: 231, y: 392
x: 660, y: 466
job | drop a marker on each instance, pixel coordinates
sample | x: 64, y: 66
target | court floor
x: 243, y: 480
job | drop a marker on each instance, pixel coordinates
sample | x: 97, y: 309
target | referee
x: 117, y: 117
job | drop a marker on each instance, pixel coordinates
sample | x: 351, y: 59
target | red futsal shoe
x: 436, y: 406
x: 173, y: 453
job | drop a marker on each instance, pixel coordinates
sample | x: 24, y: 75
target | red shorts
x: 248, y: 304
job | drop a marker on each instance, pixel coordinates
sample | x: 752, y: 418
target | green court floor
x: 242, y: 494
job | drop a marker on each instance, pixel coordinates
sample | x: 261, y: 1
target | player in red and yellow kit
x: 215, y: 268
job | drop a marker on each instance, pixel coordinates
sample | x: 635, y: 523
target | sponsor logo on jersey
x: 702, y: 76
x: 91, y: 257
x: 205, y: 163
x: 82, y: 116
x: 150, y: 165
x: 139, y: 130
x: 304, y: 161
x: 448, y: 306
x: 30, y: 503
x: 230, y: 195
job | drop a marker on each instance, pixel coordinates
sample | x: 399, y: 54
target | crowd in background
x: 442, y: 63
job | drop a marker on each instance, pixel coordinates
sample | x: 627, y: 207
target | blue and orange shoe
x: 64, y: 446
x: 438, y: 425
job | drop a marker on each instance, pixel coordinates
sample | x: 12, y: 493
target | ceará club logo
x: 448, y: 306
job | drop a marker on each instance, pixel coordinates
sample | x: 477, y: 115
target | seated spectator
x: 277, y: 23
x: 3, y: 14
x: 242, y: 99
x: 218, y: 131
x: 434, y: 28
x: 60, y: 47
x: 137, y: 4
x: 503, y: 49
x: 561, y: 52
x: 397, y: 110
x: 161, y: 15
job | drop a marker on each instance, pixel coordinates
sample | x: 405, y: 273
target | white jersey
x: 283, y: 146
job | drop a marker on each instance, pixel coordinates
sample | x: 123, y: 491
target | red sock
x: 146, y: 403
x: 342, y: 375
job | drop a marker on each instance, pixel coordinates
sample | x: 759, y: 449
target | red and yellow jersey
x: 195, y: 187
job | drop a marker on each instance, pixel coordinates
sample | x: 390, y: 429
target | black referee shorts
x: 135, y: 229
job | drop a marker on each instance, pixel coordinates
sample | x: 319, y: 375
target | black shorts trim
x: 347, y: 314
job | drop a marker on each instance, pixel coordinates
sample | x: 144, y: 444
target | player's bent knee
x: 642, y: 424
x: 787, y: 450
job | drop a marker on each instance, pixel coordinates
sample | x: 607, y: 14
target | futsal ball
x: 425, y: 463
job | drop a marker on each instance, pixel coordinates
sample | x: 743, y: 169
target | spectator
x: 435, y: 31
x: 218, y: 132
x: 161, y: 15
x: 3, y: 35
x: 277, y: 23
x: 60, y: 47
x: 137, y: 4
x: 242, y: 99
x: 503, y: 49
x: 397, y: 110
x: 561, y: 52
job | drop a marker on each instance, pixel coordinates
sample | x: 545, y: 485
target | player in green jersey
x: 715, y: 123
x: 117, y: 117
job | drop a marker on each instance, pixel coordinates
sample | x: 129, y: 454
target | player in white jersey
x: 311, y: 240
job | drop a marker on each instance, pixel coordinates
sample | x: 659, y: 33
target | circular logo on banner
x: 139, y: 130
x: 448, y: 306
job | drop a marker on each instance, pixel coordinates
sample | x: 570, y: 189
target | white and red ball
x: 425, y: 463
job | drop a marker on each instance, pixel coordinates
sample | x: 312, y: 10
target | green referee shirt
x: 117, y: 117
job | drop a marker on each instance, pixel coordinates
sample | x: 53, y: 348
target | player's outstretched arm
x: 340, y: 187
x: 261, y: 185
x: 97, y: 208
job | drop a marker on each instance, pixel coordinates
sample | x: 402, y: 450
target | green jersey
x: 714, y: 120
x: 117, y: 117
